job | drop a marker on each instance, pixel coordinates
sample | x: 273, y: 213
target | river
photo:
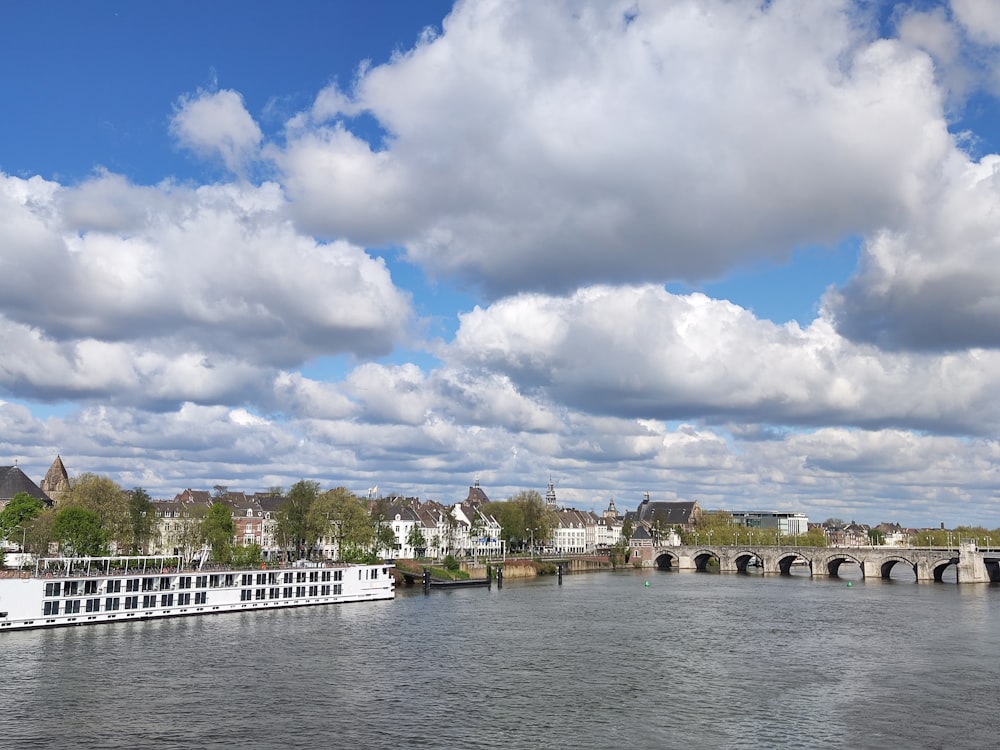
x: 603, y: 660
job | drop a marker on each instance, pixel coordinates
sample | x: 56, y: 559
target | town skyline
x: 737, y: 253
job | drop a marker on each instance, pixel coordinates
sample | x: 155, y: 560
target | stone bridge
x: 928, y: 564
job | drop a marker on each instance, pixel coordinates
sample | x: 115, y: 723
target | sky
x: 743, y: 253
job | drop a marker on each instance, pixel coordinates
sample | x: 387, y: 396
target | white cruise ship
x: 86, y: 591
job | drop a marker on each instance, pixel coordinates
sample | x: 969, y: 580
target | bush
x: 451, y: 563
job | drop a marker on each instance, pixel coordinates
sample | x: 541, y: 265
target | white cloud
x: 645, y: 353
x: 533, y: 147
x: 217, y: 124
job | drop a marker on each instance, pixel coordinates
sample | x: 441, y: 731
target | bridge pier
x: 971, y: 565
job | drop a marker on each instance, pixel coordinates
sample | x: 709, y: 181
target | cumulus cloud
x: 934, y: 285
x: 217, y: 124
x: 530, y: 147
x: 644, y: 353
x: 109, y: 286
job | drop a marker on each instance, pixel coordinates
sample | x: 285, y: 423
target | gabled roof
x: 13, y: 481
x: 476, y: 495
x: 668, y: 513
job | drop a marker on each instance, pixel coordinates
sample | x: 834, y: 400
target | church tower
x: 550, y: 496
x: 56, y: 482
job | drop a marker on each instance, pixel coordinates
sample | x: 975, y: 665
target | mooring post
x: 559, y: 572
x: 427, y: 580
x: 499, y: 578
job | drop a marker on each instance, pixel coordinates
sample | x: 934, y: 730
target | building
x: 786, y: 524
x: 14, y: 481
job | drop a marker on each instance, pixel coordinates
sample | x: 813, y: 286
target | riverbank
x: 513, y: 567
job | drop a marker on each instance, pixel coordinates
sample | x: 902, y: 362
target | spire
x: 56, y: 482
x: 550, y: 495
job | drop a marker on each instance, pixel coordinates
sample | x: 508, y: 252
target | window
x: 338, y: 589
x: 300, y: 577
x: 149, y: 600
x: 111, y: 604
x: 71, y: 588
x: 183, y: 599
x: 148, y: 584
x: 131, y: 602
x: 184, y: 582
x: 167, y: 600
x: 338, y: 575
x: 286, y: 592
x: 215, y: 581
x: 200, y: 597
x: 274, y: 593
x: 230, y: 579
x: 246, y: 579
x: 114, y: 586
x: 261, y: 579
x: 53, y: 589
x: 201, y: 582
x: 261, y: 593
x: 93, y: 605
x: 325, y: 576
x: 300, y: 591
x: 272, y: 579
x: 90, y: 587
x: 164, y: 583
x: 314, y: 576
x: 324, y: 590
x: 132, y: 584
x: 51, y: 608
x: 72, y: 606
x: 313, y: 590
x: 245, y: 595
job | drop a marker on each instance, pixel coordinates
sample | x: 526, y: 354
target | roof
x: 13, y: 481
x: 668, y: 513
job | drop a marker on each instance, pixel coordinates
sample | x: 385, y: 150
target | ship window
x: 93, y: 605
x: 324, y: 590
x: 272, y: 579
x: 313, y: 590
x: 53, y: 589
x: 300, y: 591
x: 261, y: 594
x: 72, y: 588
x: 131, y: 602
x: 300, y: 577
x: 184, y: 582
x: 72, y: 606
x: 147, y: 584
x: 111, y: 603
x: 114, y: 586
x: 231, y: 579
x: 338, y: 575
x: 90, y: 587
x: 261, y: 579
x: 245, y: 595
x: 214, y: 581
x: 183, y: 599
x: 200, y: 597
x: 338, y: 589
x: 286, y: 592
x: 164, y: 583
x: 201, y: 582
x: 273, y: 593
x: 167, y: 600
x: 313, y: 577
x: 326, y: 575
x: 132, y: 584
x: 149, y: 600
x: 246, y: 579
x: 51, y: 608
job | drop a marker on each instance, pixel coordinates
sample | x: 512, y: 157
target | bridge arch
x: 745, y: 559
x: 666, y: 560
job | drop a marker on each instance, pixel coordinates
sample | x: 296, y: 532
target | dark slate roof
x: 476, y: 495
x: 668, y: 513
x: 13, y: 480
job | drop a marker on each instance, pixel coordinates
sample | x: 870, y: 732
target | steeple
x: 56, y: 482
x: 550, y: 496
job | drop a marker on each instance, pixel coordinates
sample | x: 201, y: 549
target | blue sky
x: 711, y: 250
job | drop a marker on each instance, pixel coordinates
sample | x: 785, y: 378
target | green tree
x: 218, y: 530
x: 296, y: 527
x: 21, y: 509
x: 80, y: 532
x: 876, y: 537
x: 109, y: 501
x: 417, y: 541
x: 142, y: 520
x: 39, y: 533
x: 247, y: 555
x: 340, y: 514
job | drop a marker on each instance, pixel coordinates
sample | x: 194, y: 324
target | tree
x: 339, y: 513
x: 109, y: 501
x: 218, y: 530
x: 294, y: 526
x: 417, y: 541
x: 141, y: 519
x: 39, y: 533
x: 79, y: 531
x: 21, y: 509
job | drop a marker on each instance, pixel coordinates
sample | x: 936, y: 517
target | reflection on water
x: 603, y: 660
